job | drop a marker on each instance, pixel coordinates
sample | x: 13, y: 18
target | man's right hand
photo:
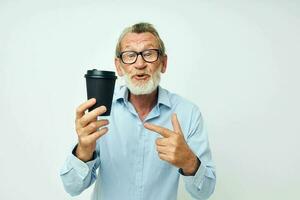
x: 87, y: 129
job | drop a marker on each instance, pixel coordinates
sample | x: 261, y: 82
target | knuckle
x: 157, y: 148
x: 78, y: 110
x: 93, y: 125
x: 164, y: 132
x: 82, y: 121
x: 157, y: 141
x: 99, y: 134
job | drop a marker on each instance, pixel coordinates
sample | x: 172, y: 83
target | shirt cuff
x: 197, y: 179
x: 82, y: 168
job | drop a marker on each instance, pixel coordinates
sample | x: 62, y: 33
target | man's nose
x: 140, y: 63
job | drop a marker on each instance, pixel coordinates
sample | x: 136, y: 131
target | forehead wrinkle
x: 134, y: 41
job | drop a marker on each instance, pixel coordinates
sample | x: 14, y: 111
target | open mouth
x: 141, y: 76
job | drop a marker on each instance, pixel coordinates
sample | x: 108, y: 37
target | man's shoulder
x: 187, y: 111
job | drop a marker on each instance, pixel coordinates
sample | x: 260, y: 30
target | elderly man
x: 151, y: 138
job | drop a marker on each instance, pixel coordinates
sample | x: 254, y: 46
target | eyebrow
x: 129, y: 48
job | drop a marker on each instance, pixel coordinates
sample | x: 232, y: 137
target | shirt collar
x: 163, y: 96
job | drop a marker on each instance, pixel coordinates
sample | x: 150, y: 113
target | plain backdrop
x: 237, y: 60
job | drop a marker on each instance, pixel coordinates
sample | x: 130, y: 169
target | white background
x: 237, y: 60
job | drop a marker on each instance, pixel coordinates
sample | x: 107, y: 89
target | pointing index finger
x: 158, y: 129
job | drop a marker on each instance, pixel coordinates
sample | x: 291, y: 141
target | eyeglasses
x: 148, y: 55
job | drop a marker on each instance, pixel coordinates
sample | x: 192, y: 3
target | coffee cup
x: 100, y: 85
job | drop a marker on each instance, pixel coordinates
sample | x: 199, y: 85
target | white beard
x: 145, y: 87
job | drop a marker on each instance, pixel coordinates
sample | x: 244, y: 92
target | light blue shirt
x: 127, y: 161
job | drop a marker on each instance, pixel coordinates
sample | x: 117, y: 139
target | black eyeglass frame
x: 140, y: 53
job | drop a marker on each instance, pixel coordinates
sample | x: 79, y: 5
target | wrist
x: 192, y: 166
x: 82, y: 154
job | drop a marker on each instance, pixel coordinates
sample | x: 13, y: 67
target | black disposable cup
x: 100, y: 85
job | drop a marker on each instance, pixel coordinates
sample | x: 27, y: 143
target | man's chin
x: 138, y: 92
x: 141, y: 89
x: 140, y: 82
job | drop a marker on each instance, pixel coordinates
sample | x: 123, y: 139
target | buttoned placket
x: 141, y: 147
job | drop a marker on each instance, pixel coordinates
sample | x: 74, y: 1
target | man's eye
x: 131, y: 55
x: 147, y: 54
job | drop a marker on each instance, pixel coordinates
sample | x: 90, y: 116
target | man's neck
x: 143, y: 104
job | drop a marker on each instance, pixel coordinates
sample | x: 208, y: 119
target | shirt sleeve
x: 77, y: 175
x: 202, y: 184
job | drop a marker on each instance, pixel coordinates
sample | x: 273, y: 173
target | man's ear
x: 164, y: 63
x: 118, y: 66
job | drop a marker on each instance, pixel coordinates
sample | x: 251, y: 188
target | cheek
x: 153, y: 68
x: 156, y: 68
x: 128, y: 70
x: 125, y: 69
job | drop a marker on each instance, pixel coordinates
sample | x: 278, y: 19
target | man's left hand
x: 173, y: 147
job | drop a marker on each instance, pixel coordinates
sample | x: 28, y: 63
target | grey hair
x: 141, y: 28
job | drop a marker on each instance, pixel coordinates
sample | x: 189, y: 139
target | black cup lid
x: 94, y: 73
